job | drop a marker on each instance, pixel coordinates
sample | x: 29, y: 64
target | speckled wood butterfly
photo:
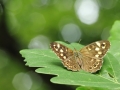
x: 89, y: 58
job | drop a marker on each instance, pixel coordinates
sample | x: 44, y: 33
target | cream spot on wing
x: 91, y: 60
x: 97, y: 63
x: 95, y: 66
x: 103, y: 45
x: 61, y: 50
x: 67, y: 63
x: 99, y: 52
x: 89, y: 48
x: 58, y: 45
x: 61, y: 54
x: 54, y: 45
x: 90, y: 68
x: 97, y: 55
x: 98, y: 44
x: 64, y: 57
x: 66, y: 50
x: 97, y: 49
x: 56, y: 49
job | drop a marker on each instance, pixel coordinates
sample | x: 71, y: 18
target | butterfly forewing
x: 88, y: 58
x: 96, y: 49
x: 62, y: 51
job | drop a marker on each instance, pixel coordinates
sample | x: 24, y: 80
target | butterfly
x: 89, y: 58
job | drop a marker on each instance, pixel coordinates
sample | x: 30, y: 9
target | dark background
x: 35, y: 23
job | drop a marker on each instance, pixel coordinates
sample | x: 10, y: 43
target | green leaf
x: 115, y: 31
x: 89, y: 88
x: 108, y: 77
x: 115, y: 40
x: 115, y: 50
x: 52, y: 65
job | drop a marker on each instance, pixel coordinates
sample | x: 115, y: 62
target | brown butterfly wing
x: 96, y: 49
x: 91, y: 64
x: 71, y: 64
x: 92, y: 55
x: 66, y: 55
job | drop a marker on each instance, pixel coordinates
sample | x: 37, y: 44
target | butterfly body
x: 89, y: 58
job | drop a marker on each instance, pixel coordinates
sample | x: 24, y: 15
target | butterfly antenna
x: 67, y: 42
x: 71, y: 44
x: 73, y: 47
x: 79, y: 41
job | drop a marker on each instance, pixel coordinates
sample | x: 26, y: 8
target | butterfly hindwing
x: 91, y: 64
x: 71, y: 64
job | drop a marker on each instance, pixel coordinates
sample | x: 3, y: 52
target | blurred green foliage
x: 28, y: 19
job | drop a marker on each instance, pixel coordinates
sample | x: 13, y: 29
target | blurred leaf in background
x: 36, y: 23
